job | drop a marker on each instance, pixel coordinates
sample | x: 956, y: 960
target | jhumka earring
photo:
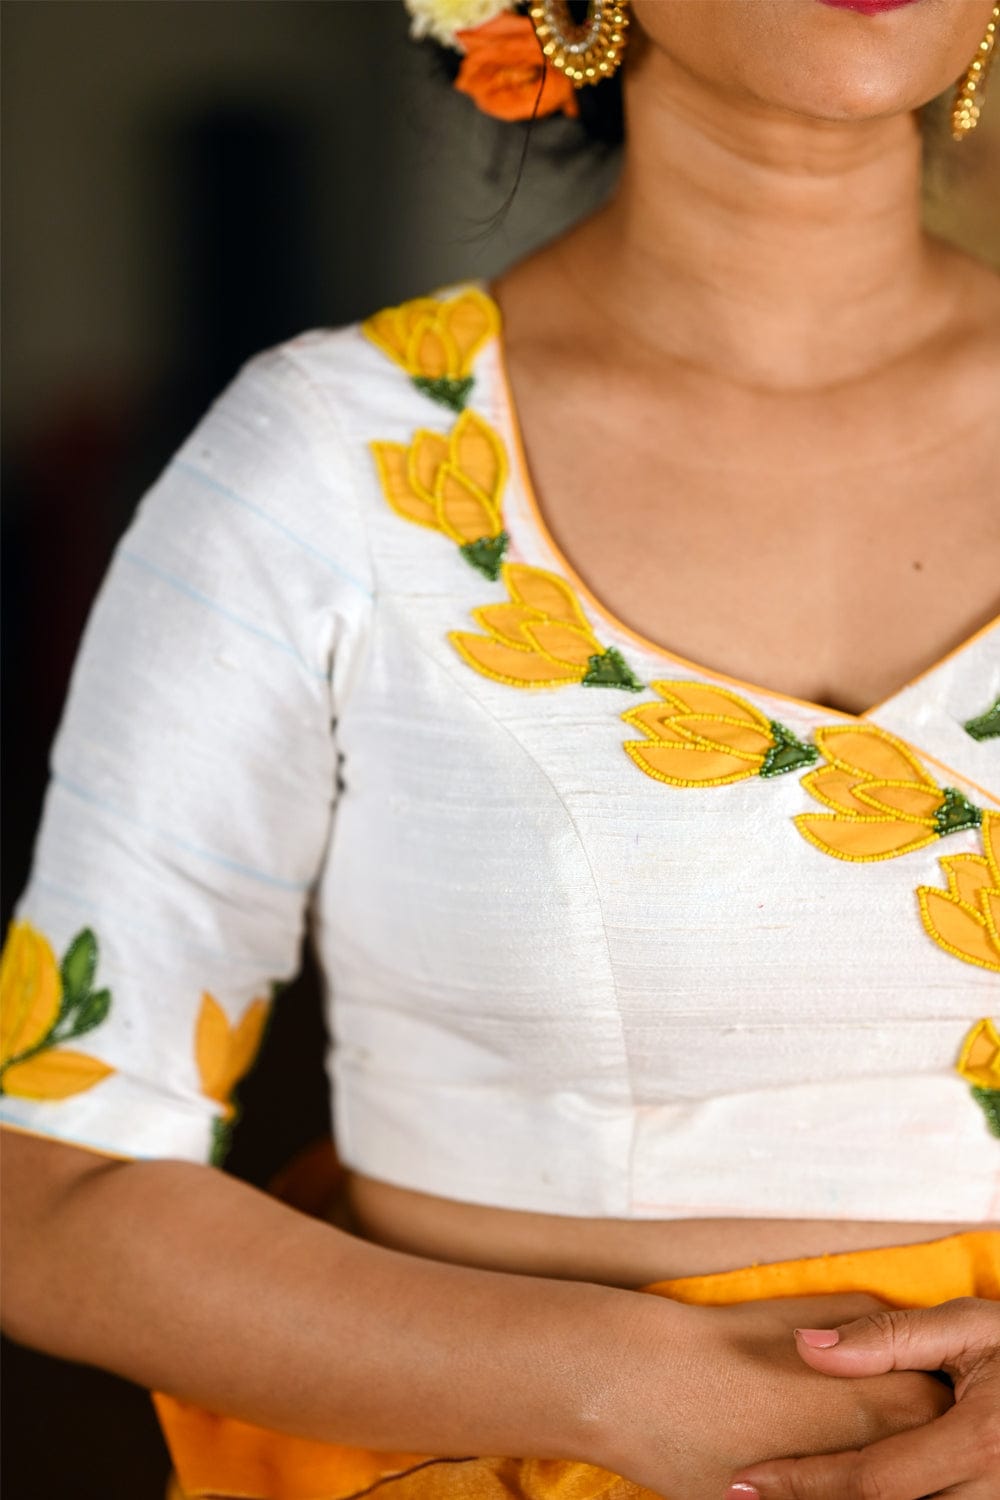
x: 587, y: 52
x: 968, y: 101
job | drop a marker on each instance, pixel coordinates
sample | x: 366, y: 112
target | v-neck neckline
x: 522, y: 472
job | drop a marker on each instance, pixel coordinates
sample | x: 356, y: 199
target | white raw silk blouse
x: 605, y: 932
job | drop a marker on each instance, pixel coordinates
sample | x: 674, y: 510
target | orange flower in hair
x: 503, y: 68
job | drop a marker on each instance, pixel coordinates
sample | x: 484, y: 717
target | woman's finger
x: 952, y: 1450
x: 953, y: 1337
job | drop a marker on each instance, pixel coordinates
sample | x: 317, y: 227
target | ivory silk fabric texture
x: 217, y: 1456
x: 563, y: 974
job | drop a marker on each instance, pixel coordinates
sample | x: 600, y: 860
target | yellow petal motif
x: 476, y: 452
x: 510, y: 664
x: 833, y: 786
x: 431, y: 351
x: 979, y: 1060
x: 392, y: 328
x: 224, y: 1052
x: 964, y: 918
x: 509, y: 622
x: 871, y: 754
x: 471, y: 319
x: 428, y: 451
x: 30, y: 990
x: 708, y: 698
x: 689, y: 765
x: 654, y: 719
x: 885, y: 803
x: 463, y: 512
x: 702, y: 735
x: 541, y: 638
x: 394, y: 463
x: 34, y: 1065
x: 452, y: 484
x: 570, y: 645
x: 545, y: 592
x: 862, y: 840
x: 432, y: 338
x: 54, y: 1074
x: 716, y: 731
x: 915, y: 804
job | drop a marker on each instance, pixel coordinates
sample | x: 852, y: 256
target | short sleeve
x: 192, y: 783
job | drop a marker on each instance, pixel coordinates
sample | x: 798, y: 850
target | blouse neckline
x: 523, y: 475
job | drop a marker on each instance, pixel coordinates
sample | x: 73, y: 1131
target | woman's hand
x: 695, y: 1387
x: 959, y: 1453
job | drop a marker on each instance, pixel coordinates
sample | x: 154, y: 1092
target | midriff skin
x: 613, y: 1252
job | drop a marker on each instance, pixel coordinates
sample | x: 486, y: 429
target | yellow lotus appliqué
x: 703, y: 735
x: 42, y: 1005
x: 224, y: 1054
x: 884, y: 802
x: 979, y: 1065
x: 540, y: 637
x: 436, y: 342
x: 452, y: 484
x: 965, y: 918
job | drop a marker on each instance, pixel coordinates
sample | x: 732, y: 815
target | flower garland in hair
x: 503, y: 70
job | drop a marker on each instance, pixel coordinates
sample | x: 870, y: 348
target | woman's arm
x: 191, y: 1282
x: 188, y: 1281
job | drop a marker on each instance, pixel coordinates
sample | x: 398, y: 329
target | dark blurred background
x: 186, y: 182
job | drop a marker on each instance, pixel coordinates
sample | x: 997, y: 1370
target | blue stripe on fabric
x: 146, y: 930
x: 257, y: 510
x: 221, y: 860
x: 189, y: 589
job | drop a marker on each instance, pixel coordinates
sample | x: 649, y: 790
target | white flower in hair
x: 442, y: 18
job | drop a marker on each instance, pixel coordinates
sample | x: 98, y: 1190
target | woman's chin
x: 843, y: 95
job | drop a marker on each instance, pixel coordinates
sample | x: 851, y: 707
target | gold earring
x: 968, y: 100
x: 588, y: 52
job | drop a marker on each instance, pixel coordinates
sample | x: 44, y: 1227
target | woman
x: 647, y: 965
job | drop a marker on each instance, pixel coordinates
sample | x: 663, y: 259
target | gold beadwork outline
x: 560, y: 38
x: 967, y: 105
x: 952, y: 895
x: 689, y: 741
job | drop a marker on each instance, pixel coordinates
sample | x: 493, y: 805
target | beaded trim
x: 586, y: 53
x: 968, y: 103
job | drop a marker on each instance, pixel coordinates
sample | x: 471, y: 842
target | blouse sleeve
x: 193, y: 781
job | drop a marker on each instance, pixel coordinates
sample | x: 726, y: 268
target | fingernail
x: 818, y: 1338
x: 742, y: 1492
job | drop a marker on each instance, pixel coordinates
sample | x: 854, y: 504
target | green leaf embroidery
x: 989, y: 1101
x: 91, y: 1011
x: 77, y: 969
x: 956, y: 813
x: 222, y: 1140
x: 987, y: 726
x: 788, y: 753
x: 486, y: 554
x: 448, y: 392
x: 610, y: 669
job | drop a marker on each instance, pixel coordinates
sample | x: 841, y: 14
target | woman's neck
x: 778, y: 252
